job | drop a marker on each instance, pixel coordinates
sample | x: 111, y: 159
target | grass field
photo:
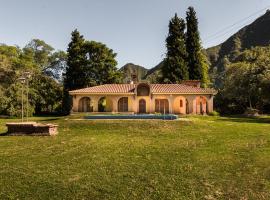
x: 196, y: 158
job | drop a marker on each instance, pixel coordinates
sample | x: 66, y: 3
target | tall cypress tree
x: 174, y: 69
x: 75, y: 61
x: 197, y: 67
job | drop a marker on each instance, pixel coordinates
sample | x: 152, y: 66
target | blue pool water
x: 143, y: 116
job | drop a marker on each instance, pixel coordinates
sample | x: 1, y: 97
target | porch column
x: 153, y: 104
x: 191, y: 104
x: 170, y: 104
x: 114, y: 104
x: 75, y: 104
x: 95, y: 103
x: 135, y: 104
x: 150, y: 105
x: 210, y: 104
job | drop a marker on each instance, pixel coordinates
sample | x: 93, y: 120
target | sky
x: 135, y: 29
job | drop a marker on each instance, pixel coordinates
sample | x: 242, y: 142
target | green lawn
x: 199, y: 158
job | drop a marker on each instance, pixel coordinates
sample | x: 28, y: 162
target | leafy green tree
x: 247, y: 81
x: 89, y: 63
x: 174, y: 69
x: 14, y: 61
x: 40, y: 51
x: 197, y: 65
x: 100, y: 65
x: 236, y: 48
x: 41, y: 56
x: 46, y: 93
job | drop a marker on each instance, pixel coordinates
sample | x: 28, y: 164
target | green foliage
x: 154, y: 75
x: 214, y: 113
x: 40, y: 52
x: 247, y: 80
x: 193, y: 45
x: 72, y: 76
x: 46, y: 94
x: 174, y: 69
x: 100, y: 65
x: 14, y: 62
x: 255, y: 34
x: 185, y: 57
x: 197, y: 61
x: 89, y: 63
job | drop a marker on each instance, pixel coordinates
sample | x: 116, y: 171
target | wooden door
x: 142, y: 106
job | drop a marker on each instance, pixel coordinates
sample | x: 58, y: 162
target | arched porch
x: 85, y: 105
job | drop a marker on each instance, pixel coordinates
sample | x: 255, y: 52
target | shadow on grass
x: 245, y: 119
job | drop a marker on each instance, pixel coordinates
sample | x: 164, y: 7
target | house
x: 185, y: 98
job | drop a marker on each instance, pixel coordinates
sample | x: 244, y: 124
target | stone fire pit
x: 31, y: 128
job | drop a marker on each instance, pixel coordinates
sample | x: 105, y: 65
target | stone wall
x: 31, y: 128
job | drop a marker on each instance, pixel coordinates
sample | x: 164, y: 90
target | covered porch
x: 172, y: 104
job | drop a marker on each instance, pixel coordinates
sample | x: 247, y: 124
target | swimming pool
x: 142, y: 116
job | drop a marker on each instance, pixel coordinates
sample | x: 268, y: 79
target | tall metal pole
x: 22, y: 102
x: 22, y: 80
x: 27, y: 101
x: 27, y: 76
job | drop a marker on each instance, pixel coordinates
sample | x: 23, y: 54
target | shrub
x: 214, y: 113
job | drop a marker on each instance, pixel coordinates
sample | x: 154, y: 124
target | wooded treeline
x: 45, y: 66
x: 242, y: 81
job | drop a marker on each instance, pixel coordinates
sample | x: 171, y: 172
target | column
x: 114, y: 104
x: 210, y: 104
x: 170, y: 104
x: 94, y: 102
x: 192, y: 104
x: 75, y: 103
x: 150, y: 105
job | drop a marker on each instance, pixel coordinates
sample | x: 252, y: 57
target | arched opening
x: 143, y: 89
x: 201, y: 105
x: 142, y: 106
x: 102, y: 104
x: 85, y: 105
x: 123, y: 104
x: 162, y: 106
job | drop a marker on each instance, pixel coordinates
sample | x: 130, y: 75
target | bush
x: 214, y: 113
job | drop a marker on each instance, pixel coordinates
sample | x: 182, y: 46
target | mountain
x: 133, y: 72
x: 153, y: 73
x: 254, y: 34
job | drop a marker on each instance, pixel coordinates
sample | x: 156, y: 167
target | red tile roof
x: 155, y: 88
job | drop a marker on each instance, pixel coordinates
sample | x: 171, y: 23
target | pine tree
x: 73, y: 77
x: 174, y: 69
x: 75, y: 61
x: 197, y: 65
x: 89, y: 63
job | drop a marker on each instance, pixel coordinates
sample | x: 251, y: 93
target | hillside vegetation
x: 252, y: 35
